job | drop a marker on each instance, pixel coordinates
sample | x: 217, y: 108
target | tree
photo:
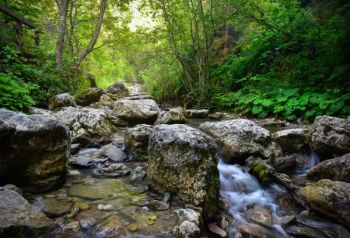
x: 63, y: 11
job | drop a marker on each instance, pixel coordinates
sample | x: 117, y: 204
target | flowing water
x: 244, y: 195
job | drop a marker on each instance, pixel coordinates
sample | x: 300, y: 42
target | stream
x: 116, y: 206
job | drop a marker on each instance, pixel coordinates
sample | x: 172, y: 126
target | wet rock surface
x: 34, y: 150
x: 292, y: 140
x: 182, y: 160
x: 331, y: 136
x: 337, y: 169
x: 173, y: 116
x: 19, y: 218
x: 241, y: 138
x: 136, y: 140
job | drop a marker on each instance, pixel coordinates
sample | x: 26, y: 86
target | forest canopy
x: 283, y: 58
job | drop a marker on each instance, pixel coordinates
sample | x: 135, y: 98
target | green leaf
x: 257, y: 109
x: 333, y: 108
x: 291, y: 92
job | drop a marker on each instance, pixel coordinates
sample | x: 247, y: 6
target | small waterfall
x: 242, y: 192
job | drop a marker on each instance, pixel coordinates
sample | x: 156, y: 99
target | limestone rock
x: 61, y: 100
x: 194, y: 113
x: 19, y: 218
x: 292, y: 140
x: 331, y: 198
x: 173, y: 116
x: 331, y: 136
x: 88, y: 96
x: 34, y: 151
x: 334, y: 169
x: 182, y: 160
x: 136, y: 140
x: 241, y: 138
x: 87, y: 125
x: 136, y: 111
x: 113, y: 153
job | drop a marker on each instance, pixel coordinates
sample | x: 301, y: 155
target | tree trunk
x: 94, y: 37
x: 63, y: 11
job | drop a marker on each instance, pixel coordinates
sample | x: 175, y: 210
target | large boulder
x: 118, y: 88
x: 61, y: 100
x: 241, y: 138
x: 136, y: 141
x: 33, y: 150
x: 88, y: 96
x: 173, y: 116
x: 331, y: 136
x: 292, y: 140
x: 335, y: 169
x: 136, y: 111
x: 182, y: 160
x: 87, y: 125
x: 19, y: 218
x: 331, y: 198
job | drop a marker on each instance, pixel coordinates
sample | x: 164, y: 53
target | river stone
x: 111, y: 227
x: 331, y: 198
x: 331, y: 136
x: 334, y: 169
x: 138, y: 174
x: 19, y: 218
x: 292, y: 140
x: 82, y: 161
x: 173, y: 116
x: 304, y: 231
x: 217, y: 230
x: 182, y: 160
x: 186, y: 229
x: 87, y: 125
x: 136, y: 140
x: 197, y: 113
x: 113, y: 153
x: 61, y: 100
x: 55, y: 206
x: 88, y: 96
x: 136, y: 111
x: 99, y: 188
x: 118, y: 88
x: 285, y: 163
x: 34, y: 151
x: 241, y: 138
x: 158, y: 205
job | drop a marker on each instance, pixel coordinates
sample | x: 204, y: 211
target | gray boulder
x: 197, y: 113
x: 334, y: 169
x: 182, y: 160
x: 136, y: 141
x: 173, y: 116
x: 87, y: 125
x: 241, y: 138
x: 61, y: 100
x: 331, y: 136
x: 331, y: 198
x: 136, y: 111
x: 189, y: 223
x: 19, y: 218
x: 292, y: 140
x: 88, y: 96
x: 33, y: 151
x: 113, y: 153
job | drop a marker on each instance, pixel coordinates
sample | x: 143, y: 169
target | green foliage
x: 293, y: 65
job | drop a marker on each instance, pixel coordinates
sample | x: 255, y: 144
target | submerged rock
x: 54, y: 206
x: 292, y: 140
x: 334, y: 169
x: 136, y: 140
x: 158, y: 205
x: 331, y: 136
x: 241, y: 138
x: 19, y: 218
x: 136, y: 111
x: 331, y: 198
x: 34, y: 151
x: 87, y: 125
x: 193, y: 113
x: 61, y: 100
x: 111, y: 227
x: 173, y: 116
x: 182, y: 160
x: 88, y: 96
x: 113, y: 153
